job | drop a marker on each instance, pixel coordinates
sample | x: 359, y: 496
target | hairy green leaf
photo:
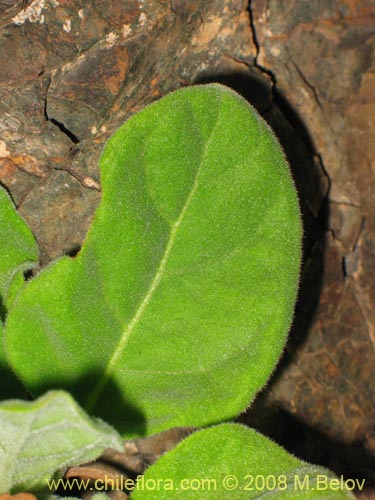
x: 183, y: 293
x: 18, y: 251
x: 233, y: 462
x: 40, y: 438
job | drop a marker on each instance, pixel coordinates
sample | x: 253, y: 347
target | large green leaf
x: 233, y: 462
x: 178, y: 305
x: 38, y: 439
x: 18, y: 251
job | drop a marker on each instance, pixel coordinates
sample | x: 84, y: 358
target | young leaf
x: 18, y: 251
x: 233, y: 462
x: 183, y: 293
x: 39, y: 438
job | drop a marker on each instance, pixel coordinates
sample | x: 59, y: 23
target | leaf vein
x: 121, y: 346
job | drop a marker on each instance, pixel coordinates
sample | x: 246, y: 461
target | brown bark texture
x: 72, y: 71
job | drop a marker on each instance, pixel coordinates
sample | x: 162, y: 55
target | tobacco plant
x: 174, y: 312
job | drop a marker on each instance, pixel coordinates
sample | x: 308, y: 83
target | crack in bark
x: 307, y: 83
x: 278, y: 100
x: 238, y: 60
x: 313, y: 91
x: 61, y: 126
x: 295, y: 122
x: 86, y: 182
x: 65, y: 130
x: 319, y: 158
x: 276, y: 97
x: 261, y: 68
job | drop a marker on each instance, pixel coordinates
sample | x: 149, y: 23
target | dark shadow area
x: 10, y: 386
x: 114, y: 409
x: 28, y: 274
x: 3, y: 311
x: 73, y: 251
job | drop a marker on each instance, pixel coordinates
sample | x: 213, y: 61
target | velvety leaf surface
x: 241, y: 464
x: 182, y: 296
x: 18, y: 250
x: 18, y: 253
x: 39, y: 438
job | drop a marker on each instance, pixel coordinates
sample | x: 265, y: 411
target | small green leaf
x: 18, y: 251
x: 40, y: 438
x: 182, y: 295
x: 233, y: 462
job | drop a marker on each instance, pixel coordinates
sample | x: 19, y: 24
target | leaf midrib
x: 121, y: 346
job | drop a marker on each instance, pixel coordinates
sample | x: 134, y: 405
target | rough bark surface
x: 73, y: 71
